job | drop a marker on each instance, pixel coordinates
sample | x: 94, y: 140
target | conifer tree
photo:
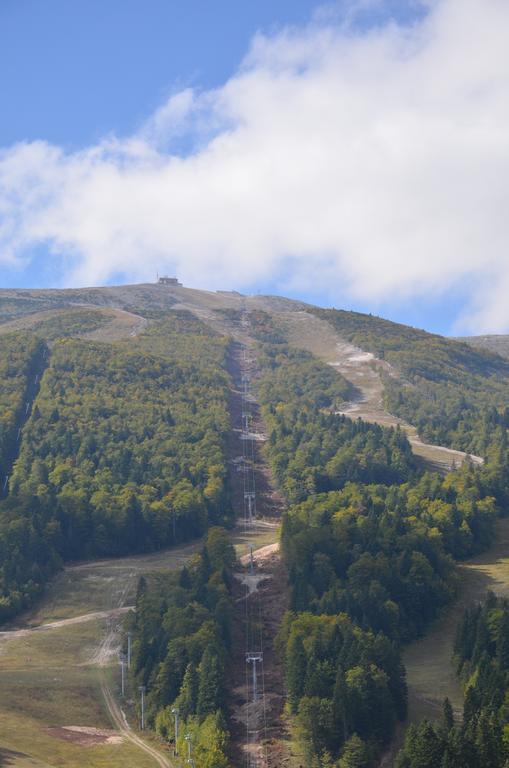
x: 188, y: 696
x: 471, y: 706
x: 355, y: 754
x: 210, y: 685
x: 447, y: 715
x: 296, y: 665
x: 339, y: 707
x: 503, y: 641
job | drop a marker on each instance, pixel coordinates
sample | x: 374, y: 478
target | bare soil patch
x: 84, y: 736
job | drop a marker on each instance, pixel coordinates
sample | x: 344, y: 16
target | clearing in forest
x: 430, y: 672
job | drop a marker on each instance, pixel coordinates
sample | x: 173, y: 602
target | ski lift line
x: 254, y: 602
x: 253, y: 632
x: 263, y: 682
x: 249, y: 496
x: 246, y: 632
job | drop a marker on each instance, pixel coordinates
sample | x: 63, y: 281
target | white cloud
x: 373, y: 165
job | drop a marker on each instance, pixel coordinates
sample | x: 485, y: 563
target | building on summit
x: 168, y: 281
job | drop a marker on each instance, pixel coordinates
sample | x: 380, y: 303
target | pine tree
x: 203, y: 574
x: 503, y: 641
x: 185, y: 579
x: 167, y: 680
x: 210, y: 685
x: 141, y: 588
x: 188, y: 696
x: 296, y: 665
x: 428, y: 748
x: 447, y: 715
x: 326, y: 761
x: 489, y: 741
x: 339, y: 708
x: 355, y: 754
x: 471, y: 706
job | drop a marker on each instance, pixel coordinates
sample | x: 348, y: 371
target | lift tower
x: 254, y: 659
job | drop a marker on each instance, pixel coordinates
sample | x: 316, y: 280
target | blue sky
x: 100, y: 94
x: 72, y: 71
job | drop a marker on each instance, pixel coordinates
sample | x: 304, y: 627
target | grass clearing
x: 47, y: 678
x: 430, y: 673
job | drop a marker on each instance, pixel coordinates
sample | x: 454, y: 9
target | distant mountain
x: 498, y: 343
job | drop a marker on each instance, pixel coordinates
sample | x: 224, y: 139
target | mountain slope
x: 128, y: 448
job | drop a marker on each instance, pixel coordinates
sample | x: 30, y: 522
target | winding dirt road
x: 363, y: 370
x: 108, y: 650
x: 122, y: 725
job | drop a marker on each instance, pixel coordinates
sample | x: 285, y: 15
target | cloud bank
x: 371, y: 164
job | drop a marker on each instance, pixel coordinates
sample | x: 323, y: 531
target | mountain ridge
x: 154, y: 295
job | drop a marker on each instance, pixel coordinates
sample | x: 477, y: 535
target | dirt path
x: 109, y: 647
x: 122, y: 325
x: 114, y: 613
x: 363, y: 370
x: 106, y: 652
x: 122, y: 726
x: 141, y: 322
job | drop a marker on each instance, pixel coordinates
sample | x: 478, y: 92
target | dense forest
x: 345, y: 685
x: 453, y: 393
x: 310, y: 448
x: 181, y: 649
x: 482, y: 737
x: 382, y: 554
x: 124, y: 452
x: 20, y: 362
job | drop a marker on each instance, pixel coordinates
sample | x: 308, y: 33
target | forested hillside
x: 312, y: 449
x: 369, y: 541
x: 124, y: 452
x: 454, y: 394
x: 382, y: 554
